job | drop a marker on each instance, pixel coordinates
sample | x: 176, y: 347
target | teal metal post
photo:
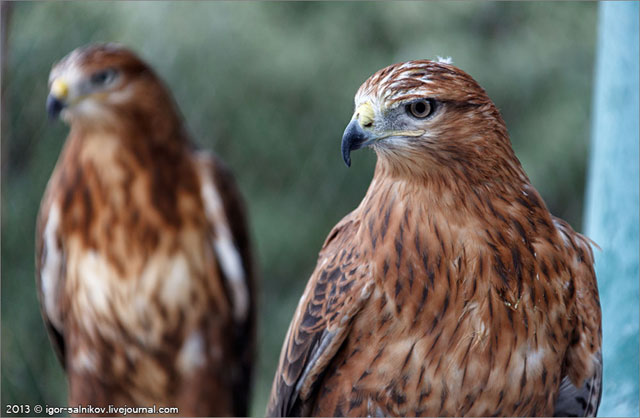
x: 612, y: 202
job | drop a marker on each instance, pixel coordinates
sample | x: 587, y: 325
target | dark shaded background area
x: 269, y: 87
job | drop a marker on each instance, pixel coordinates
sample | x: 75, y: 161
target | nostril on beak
x: 54, y: 106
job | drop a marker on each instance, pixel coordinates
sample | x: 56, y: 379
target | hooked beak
x: 56, y: 101
x: 54, y: 106
x: 354, y: 138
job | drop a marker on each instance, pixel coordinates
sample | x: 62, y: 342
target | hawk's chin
x: 91, y: 113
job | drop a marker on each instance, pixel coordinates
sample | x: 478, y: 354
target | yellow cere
x: 365, y: 114
x: 59, y: 89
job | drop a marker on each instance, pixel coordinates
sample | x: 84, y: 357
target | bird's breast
x: 129, y: 263
x: 152, y: 296
x: 442, y: 333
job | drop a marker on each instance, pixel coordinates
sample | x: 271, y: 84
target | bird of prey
x: 144, y: 271
x: 450, y: 290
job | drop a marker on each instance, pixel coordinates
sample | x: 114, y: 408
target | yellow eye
x: 421, y: 108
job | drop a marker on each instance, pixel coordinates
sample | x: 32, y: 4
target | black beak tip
x: 352, y: 139
x: 346, y: 156
x: 54, y: 107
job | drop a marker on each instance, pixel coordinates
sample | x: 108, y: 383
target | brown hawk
x: 144, y: 271
x: 450, y: 290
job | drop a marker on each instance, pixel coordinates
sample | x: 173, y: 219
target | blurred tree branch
x: 5, y: 17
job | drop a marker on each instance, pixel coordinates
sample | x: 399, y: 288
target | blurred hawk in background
x: 144, y: 269
x: 450, y: 290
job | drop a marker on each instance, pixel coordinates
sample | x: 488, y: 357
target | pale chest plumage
x: 117, y: 271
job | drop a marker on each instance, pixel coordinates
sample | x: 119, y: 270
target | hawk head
x: 423, y: 113
x: 102, y: 82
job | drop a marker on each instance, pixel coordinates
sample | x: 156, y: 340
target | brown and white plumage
x: 450, y: 290
x: 144, y: 269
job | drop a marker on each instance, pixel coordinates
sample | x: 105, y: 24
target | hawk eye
x: 421, y: 108
x: 103, y: 77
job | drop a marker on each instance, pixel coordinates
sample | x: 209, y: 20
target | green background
x: 269, y: 87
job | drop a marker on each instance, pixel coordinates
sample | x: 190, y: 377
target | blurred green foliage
x: 269, y: 87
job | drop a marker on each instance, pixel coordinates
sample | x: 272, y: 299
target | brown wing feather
x: 581, y: 388
x: 244, y: 338
x: 335, y: 293
x: 55, y: 332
